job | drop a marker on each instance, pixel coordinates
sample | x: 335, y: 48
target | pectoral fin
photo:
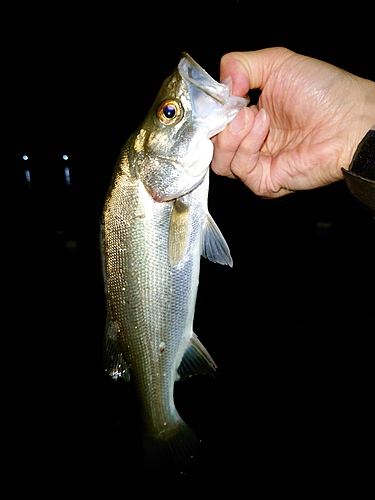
x: 196, y: 360
x: 114, y: 362
x: 214, y: 247
x: 178, y: 232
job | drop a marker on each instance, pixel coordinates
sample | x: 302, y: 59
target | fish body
x: 155, y: 227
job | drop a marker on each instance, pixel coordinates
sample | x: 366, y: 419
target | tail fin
x: 174, y: 451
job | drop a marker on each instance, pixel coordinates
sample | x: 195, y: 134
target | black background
x: 290, y: 326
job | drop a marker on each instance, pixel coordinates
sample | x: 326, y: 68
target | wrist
x: 366, y: 110
x: 359, y: 175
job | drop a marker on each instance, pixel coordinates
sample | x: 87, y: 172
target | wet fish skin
x: 155, y: 227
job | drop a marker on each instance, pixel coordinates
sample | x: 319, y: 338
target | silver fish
x: 155, y: 227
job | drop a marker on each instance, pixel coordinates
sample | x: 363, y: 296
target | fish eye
x: 169, y: 112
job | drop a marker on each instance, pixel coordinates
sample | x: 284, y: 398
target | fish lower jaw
x: 161, y: 196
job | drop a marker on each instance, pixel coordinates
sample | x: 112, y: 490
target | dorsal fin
x: 196, y: 360
x: 214, y: 246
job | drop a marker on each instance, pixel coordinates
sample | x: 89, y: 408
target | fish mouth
x: 213, y: 103
x: 201, y: 79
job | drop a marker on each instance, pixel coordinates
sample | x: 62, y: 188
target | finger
x: 227, y: 142
x: 250, y: 70
x: 245, y: 164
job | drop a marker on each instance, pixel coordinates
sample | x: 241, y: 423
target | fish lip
x: 221, y: 105
x: 210, y: 84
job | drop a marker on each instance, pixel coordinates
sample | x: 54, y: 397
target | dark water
x: 290, y: 326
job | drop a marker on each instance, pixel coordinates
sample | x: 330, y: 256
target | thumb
x: 250, y: 70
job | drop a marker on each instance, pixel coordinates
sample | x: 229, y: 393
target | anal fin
x: 196, y: 360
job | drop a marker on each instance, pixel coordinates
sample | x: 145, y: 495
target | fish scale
x: 155, y: 227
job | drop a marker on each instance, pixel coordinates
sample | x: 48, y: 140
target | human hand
x: 307, y: 124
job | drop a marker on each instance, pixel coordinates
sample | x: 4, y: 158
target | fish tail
x: 174, y: 451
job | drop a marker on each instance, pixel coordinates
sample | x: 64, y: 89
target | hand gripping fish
x: 155, y: 227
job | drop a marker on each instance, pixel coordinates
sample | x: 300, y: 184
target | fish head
x: 173, y: 142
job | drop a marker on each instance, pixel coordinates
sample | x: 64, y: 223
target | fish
x: 155, y: 226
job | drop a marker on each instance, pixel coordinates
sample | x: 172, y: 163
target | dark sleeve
x: 360, y: 177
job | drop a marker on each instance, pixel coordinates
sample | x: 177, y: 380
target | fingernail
x: 259, y: 120
x: 239, y: 122
x: 228, y: 81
